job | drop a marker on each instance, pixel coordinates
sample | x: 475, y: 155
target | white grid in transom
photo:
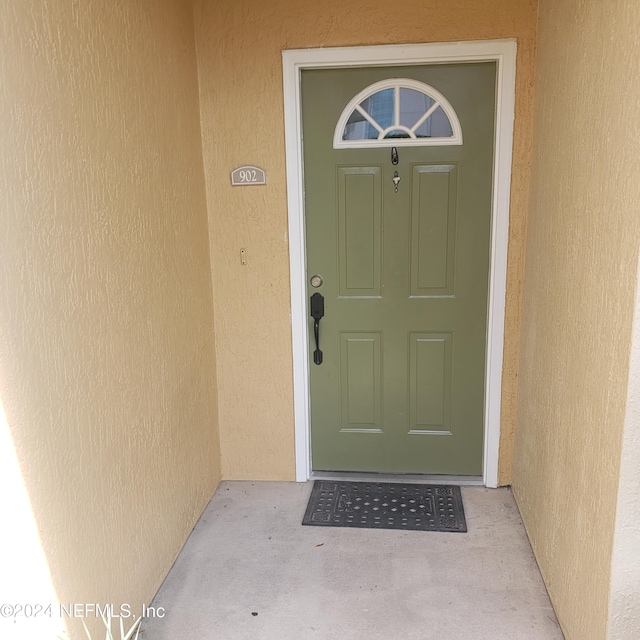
x: 413, y: 140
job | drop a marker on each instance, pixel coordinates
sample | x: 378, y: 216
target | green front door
x: 401, y: 239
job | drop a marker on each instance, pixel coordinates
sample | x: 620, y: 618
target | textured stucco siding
x: 107, y: 370
x: 581, y: 258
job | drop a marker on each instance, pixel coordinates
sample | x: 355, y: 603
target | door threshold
x: 363, y: 476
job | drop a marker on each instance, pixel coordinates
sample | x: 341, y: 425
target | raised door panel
x: 433, y: 227
x: 360, y: 381
x: 359, y: 231
x: 430, y: 383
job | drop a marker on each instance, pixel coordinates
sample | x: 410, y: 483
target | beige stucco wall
x: 240, y: 73
x: 582, y: 249
x: 107, y: 371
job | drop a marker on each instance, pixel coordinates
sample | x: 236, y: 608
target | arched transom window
x: 397, y: 112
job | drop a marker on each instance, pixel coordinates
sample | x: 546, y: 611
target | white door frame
x: 503, y: 52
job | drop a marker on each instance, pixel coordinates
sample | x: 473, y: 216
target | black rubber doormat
x: 386, y: 505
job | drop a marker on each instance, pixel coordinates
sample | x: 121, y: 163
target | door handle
x: 317, y: 312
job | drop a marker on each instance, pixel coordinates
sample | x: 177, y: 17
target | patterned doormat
x: 386, y: 505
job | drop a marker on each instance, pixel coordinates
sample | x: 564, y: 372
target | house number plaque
x: 245, y: 176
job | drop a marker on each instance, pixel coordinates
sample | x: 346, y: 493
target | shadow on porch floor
x: 250, y: 570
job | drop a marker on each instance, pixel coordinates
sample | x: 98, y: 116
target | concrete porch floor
x: 250, y: 555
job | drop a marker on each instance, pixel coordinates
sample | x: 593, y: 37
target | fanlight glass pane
x: 413, y: 105
x: 399, y: 112
x: 359, y: 128
x: 381, y: 106
x: 437, y: 125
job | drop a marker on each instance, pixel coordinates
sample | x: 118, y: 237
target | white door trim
x: 503, y: 52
